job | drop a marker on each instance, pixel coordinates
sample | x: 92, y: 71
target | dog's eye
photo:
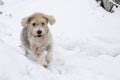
x: 43, y: 23
x: 34, y: 24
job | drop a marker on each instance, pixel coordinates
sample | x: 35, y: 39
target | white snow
x: 86, y: 41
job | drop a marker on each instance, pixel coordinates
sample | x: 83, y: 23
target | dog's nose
x: 39, y: 32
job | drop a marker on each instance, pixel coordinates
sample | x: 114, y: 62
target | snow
x: 86, y: 41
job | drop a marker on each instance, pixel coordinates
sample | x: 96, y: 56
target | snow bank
x: 86, y: 41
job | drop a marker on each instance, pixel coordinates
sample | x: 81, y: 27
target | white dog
x: 36, y: 37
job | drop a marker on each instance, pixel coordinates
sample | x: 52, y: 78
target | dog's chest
x: 41, y: 45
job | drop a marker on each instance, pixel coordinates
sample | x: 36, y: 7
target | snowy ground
x: 86, y: 41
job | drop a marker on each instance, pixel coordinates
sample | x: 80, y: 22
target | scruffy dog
x: 36, y: 38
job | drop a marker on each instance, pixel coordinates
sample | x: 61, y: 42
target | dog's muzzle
x: 39, y: 33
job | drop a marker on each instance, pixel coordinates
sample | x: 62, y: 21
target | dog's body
x: 36, y: 37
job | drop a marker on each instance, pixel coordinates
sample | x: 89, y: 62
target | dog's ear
x: 50, y: 19
x: 25, y: 21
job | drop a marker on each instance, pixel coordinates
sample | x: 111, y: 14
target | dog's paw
x: 48, y: 58
x: 45, y: 66
x: 42, y: 61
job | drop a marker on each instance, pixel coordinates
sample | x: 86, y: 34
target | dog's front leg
x: 42, y: 60
x: 26, y: 53
x: 49, y: 54
x: 39, y: 56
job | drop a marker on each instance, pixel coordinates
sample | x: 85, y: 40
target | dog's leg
x: 26, y: 53
x: 39, y: 56
x: 49, y: 54
x: 42, y: 60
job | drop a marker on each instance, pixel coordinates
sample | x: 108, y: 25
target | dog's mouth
x: 38, y: 36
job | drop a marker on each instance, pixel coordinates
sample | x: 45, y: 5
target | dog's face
x: 37, y: 24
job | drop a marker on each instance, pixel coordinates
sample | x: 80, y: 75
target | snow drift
x: 86, y: 41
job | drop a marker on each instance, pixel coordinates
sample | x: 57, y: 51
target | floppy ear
x: 50, y: 19
x: 24, y: 22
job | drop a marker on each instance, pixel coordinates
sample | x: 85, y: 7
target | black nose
x: 39, y: 32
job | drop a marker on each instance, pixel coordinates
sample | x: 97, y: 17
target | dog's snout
x: 39, y: 32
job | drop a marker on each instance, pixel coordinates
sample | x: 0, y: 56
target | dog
x: 36, y: 38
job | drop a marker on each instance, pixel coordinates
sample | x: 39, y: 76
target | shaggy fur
x: 36, y: 37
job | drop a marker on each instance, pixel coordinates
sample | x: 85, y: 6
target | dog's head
x: 37, y: 24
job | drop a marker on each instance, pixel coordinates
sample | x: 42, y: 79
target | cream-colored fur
x: 35, y: 43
